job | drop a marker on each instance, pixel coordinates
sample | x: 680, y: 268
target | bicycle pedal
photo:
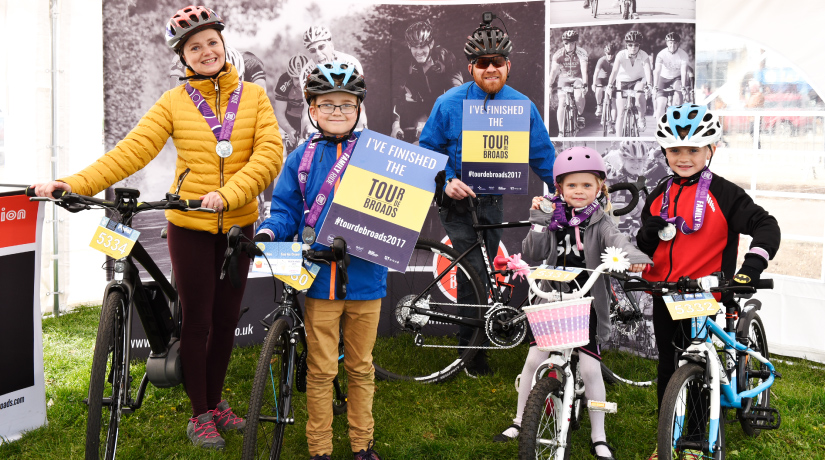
x: 602, y: 406
x: 763, y: 418
x: 127, y: 410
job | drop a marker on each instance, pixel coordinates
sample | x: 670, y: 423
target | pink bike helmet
x: 578, y: 159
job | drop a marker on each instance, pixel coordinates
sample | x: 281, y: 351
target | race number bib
x: 555, y: 273
x: 114, y: 239
x: 279, y: 258
x: 691, y: 305
x: 305, y: 279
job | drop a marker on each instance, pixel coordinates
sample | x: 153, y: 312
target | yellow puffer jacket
x: 254, y: 163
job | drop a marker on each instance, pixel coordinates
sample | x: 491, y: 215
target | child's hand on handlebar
x: 637, y: 268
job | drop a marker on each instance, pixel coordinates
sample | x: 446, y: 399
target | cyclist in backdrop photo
x: 432, y: 70
x: 487, y: 49
x: 691, y: 225
x: 670, y: 74
x: 557, y: 239
x: 600, y: 78
x: 569, y: 64
x: 631, y: 71
x: 289, y: 101
x: 227, y: 177
x: 318, y: 43
x: 334, y: 92
x: 249, y: 68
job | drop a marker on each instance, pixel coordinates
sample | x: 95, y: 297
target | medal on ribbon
x: 222, y: 132
x: 699, y: 206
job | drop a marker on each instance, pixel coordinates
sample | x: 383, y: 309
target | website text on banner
x: 496, y: 146
x: 22, y: 387
x: 383, y: 199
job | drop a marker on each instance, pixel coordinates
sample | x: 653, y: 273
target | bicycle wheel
x: 684, y: 424
x: 264, y: 433
x: 106, y: 381
x: 606, y: 121
x: 396, y: 354
x: 594, y: 7
x: 633, y: 353
x: 749, y: 371
x: 541, y: 425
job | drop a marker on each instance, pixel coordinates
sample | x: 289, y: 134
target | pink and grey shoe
x: 226, y: 420
x: 201, y: 431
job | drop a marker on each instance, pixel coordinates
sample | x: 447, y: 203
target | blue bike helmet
x: 332, y: 77
x: 688, y: 125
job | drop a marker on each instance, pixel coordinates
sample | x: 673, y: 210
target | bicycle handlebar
x: 125, y: 202
x: 633, y: 188
x: 337, y: 253
x: 556, y: 296
x: 713, y: 283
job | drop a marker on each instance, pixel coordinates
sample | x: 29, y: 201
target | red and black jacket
x: 730, y: 211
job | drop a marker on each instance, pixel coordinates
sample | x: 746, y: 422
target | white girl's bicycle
x: 551, y: 413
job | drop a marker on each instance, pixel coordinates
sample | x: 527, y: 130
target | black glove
x: 250, y: 249
x: 262, y: 238
x: 651, y: 227
x: 750, y: 271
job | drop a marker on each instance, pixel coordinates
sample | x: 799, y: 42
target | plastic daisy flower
x: 616, y: 259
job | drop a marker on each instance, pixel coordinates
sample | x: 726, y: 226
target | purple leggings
x: 210, y: 311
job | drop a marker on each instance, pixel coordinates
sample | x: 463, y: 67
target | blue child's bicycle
x: 709, y: 380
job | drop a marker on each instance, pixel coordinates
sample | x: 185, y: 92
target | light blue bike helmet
x: 700, y: 127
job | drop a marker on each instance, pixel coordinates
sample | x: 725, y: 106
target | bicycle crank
x: 501, y: 330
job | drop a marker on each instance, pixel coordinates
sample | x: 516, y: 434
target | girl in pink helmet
x: 571, y: 229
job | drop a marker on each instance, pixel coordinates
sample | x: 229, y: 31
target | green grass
x: 454, y: 420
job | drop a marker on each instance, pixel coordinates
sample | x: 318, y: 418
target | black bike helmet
x: 419, y: 34
x: 673, y: 36
x: 570, y: 36
x: 332, y: 77
x: 609, y: 49
x: 487, y: 39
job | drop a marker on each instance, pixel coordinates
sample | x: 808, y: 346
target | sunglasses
x: 484, y: 62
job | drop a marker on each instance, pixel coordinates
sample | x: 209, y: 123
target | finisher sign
x: 495, y: 146
x: 383, y: 198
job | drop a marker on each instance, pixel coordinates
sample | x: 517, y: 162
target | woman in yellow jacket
x: 229, y: 164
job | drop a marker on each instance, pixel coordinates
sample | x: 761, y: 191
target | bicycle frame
x: 494, y: 293
x: 723, y: 392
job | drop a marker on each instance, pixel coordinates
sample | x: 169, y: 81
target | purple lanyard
x: 699, y: 204
x: 222, y: 133
x: 560, y: 218
x: 334, y: 173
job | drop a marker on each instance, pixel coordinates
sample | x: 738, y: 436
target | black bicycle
x: 422, y: 341
x: 157, y: 306
x: 282, y: 363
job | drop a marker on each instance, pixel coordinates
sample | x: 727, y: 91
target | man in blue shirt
x: 487, y: 49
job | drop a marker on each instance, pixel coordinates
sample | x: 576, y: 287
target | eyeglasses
x: 346, y: 109
x: 484, y: 62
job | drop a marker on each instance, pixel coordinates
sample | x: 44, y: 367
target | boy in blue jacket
x: 302, y: 197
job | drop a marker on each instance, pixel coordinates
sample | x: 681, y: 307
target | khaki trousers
x: 359, y: 321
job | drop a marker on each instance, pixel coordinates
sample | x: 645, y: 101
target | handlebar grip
x: 56, y: 194
x: 193, y: 203
x: 765, y: 284
x: 634, y: 192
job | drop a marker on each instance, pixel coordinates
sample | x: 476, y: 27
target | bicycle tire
x: 685, y: 396
x: 611, y: 378
x: 758, y: 342
x: 395, y: 355
x: 626, y: 10
x: 107, y: 367
x: 606, y: 119
x: 594, y: 5
x: 541, y: 421
x: 269, y: 395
